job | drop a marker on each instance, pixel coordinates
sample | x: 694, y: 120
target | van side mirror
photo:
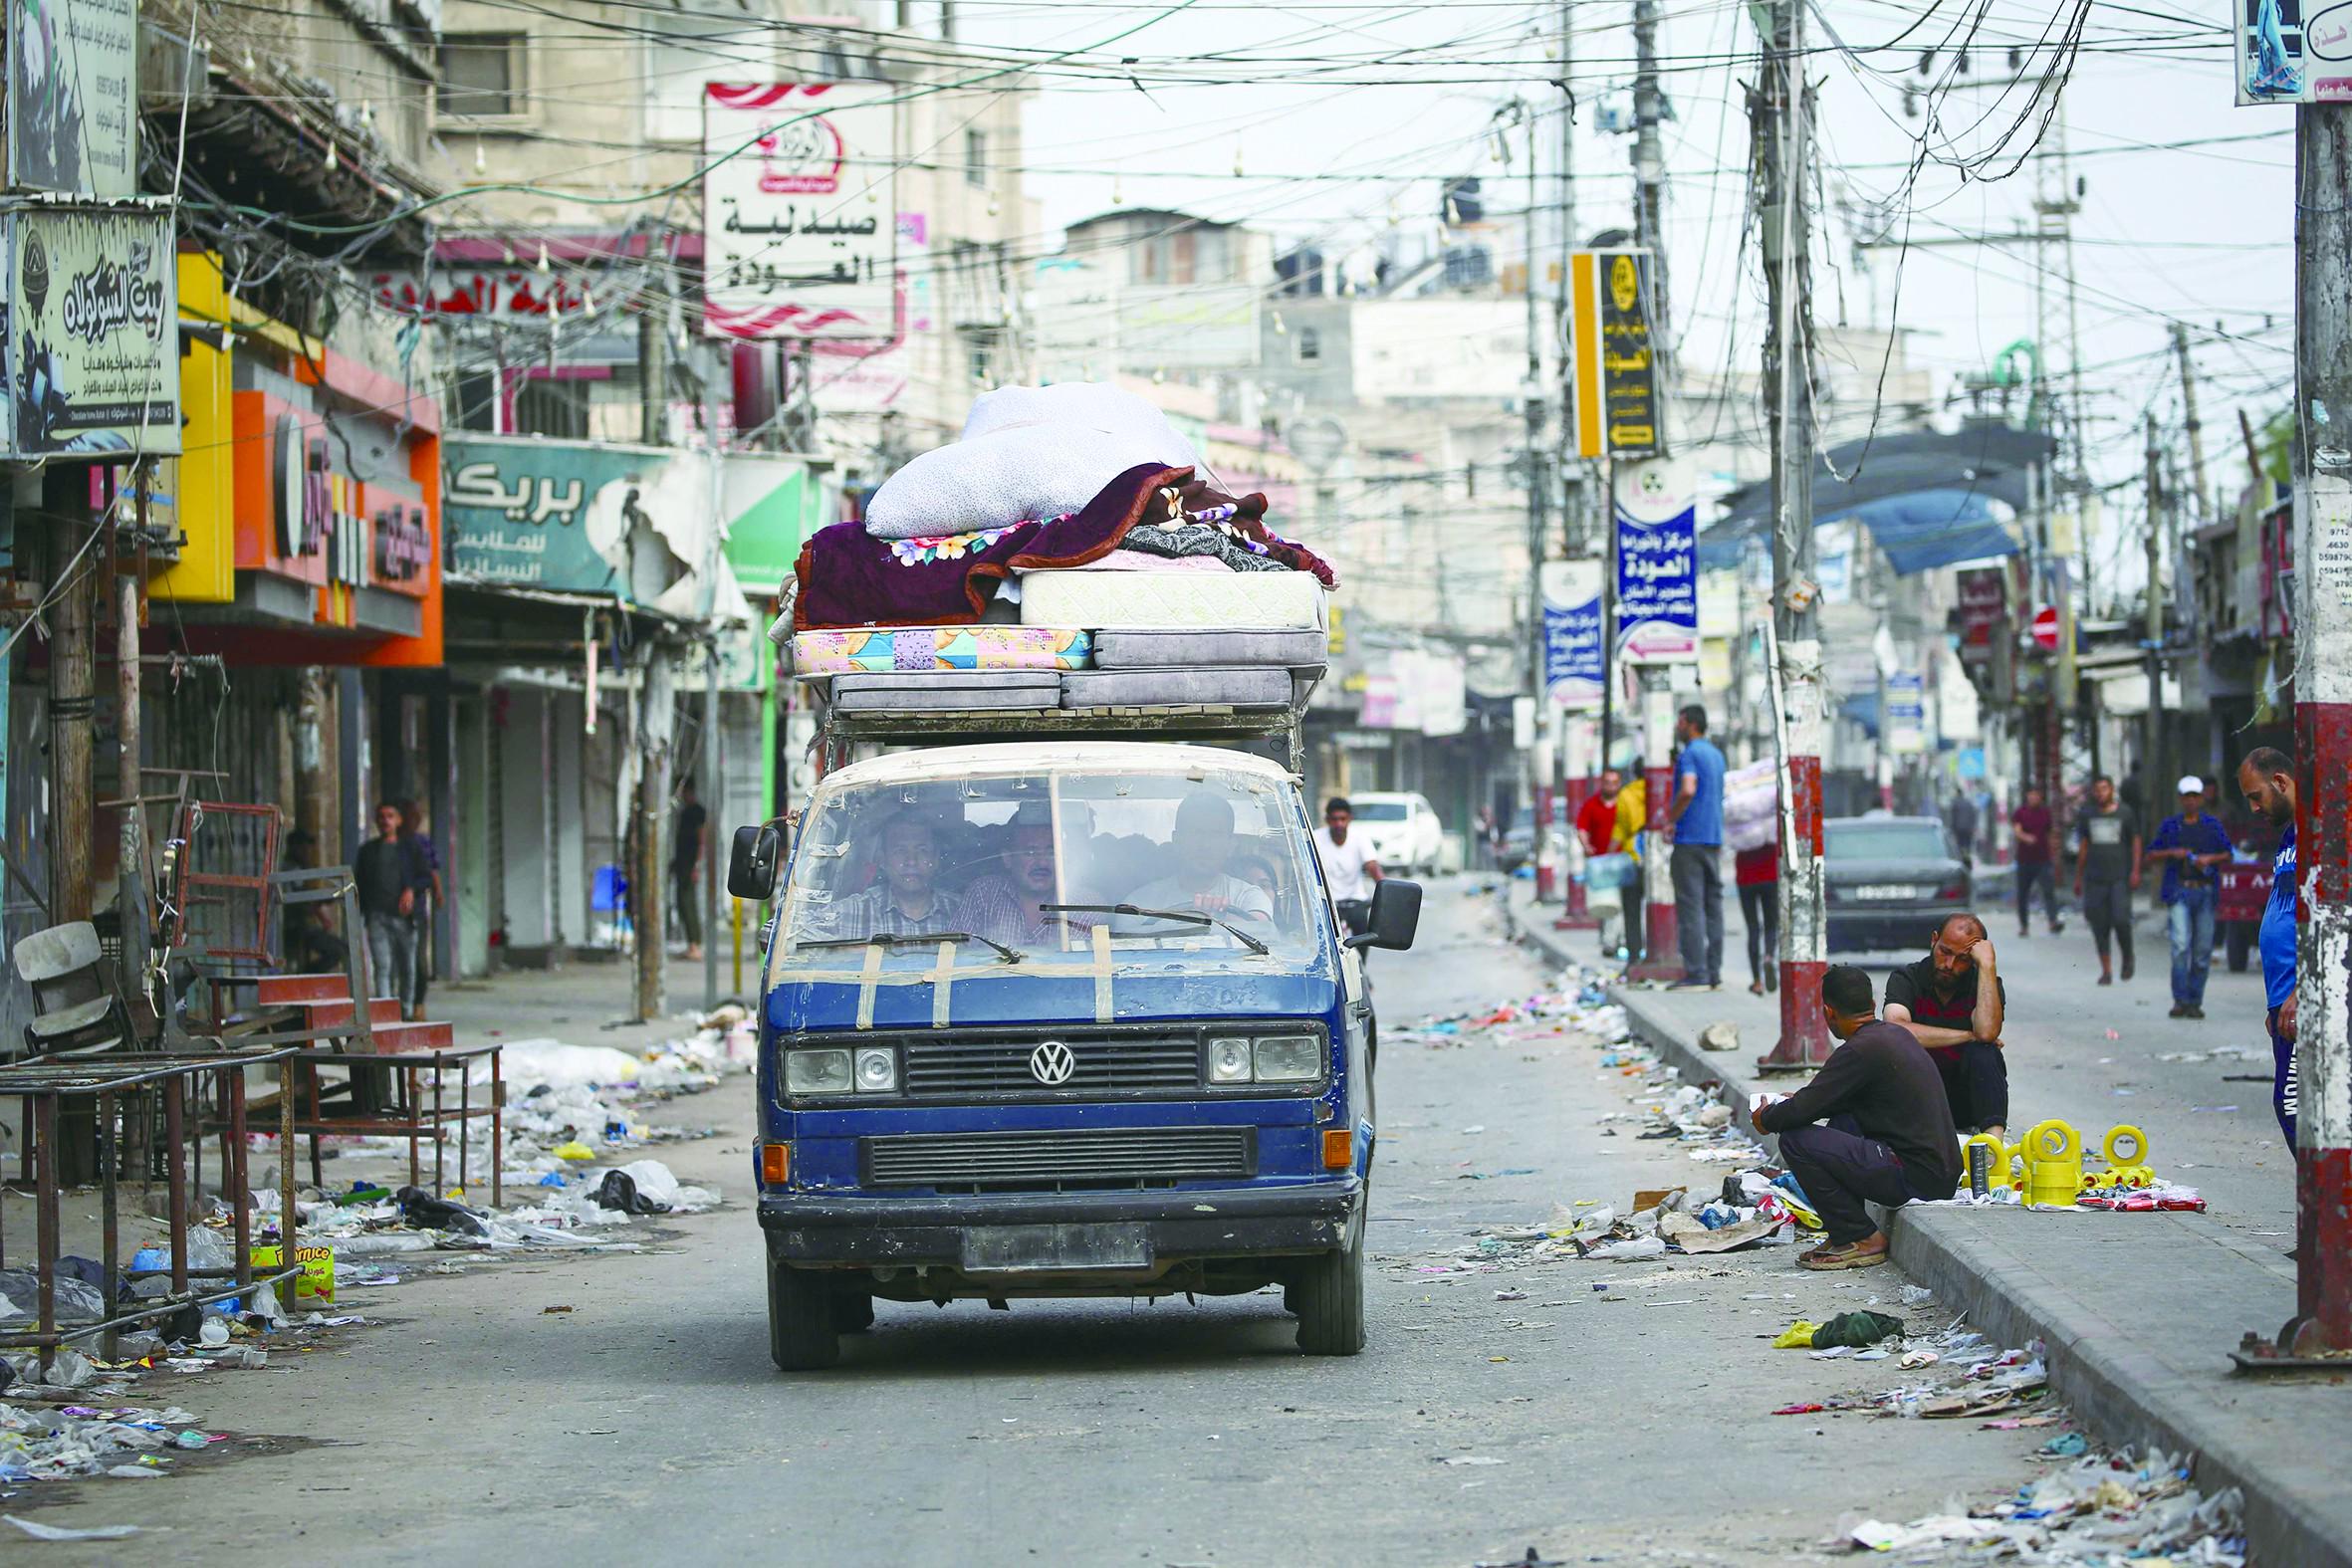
x: 752, y: 864
x: 1396, y: 915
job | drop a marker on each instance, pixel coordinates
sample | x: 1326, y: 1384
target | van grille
x: 1104, y: 1065
x: 1054, y: 1161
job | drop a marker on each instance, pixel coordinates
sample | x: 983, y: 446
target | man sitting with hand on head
x: 1954, y: 1003
x: 1872, y: 1126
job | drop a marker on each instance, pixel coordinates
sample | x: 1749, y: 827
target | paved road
x: 2206, y: 1129
x: 647, y: 1424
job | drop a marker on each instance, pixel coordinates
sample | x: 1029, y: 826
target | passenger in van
x: 1203, y: 841
x: 1005, y: 906
x: 907, y: 900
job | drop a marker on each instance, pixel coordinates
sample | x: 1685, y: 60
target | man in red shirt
x: 2035, y: 834
x: 1596, y: 819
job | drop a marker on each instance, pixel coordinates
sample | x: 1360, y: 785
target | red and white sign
x: 1983, y: 605
x: 2045, y: 627
x: 800, y: 210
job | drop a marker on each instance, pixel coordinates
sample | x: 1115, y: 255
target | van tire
x: 801, y: 1332
x: 1330, y: 1297
x: 854, y: 1311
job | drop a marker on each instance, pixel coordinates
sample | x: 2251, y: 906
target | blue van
x: 1070, y: 1018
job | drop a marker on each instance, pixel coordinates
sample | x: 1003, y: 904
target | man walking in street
x: 2107, y: 872
x: 2030, y: 826
x: 1695, y: 825
x: 1954, y: 1003
x: 1959, y: 816
x: 1756, y: 873
x: 1596, y: 819
x: 2267, y: 780
x: 687, y: 832
x: 2193, y: 846
x: 390, y: 876
x: 1872, y: 1126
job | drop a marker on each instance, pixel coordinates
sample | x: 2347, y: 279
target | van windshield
x: 1028, y: 864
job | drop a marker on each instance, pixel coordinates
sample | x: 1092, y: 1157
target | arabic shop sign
x: 1657, y: 563
x: 2293, y: 53
x: 485, y: 294
x: 519, y: 510
x: 92, y: 349
x: 72, y: 80
x: 797, y: 208
x: 1983, y: 607
x: 1572, y: 672
x: 1614, y: 376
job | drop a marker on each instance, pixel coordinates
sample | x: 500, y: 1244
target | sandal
x: 1827, y: 1257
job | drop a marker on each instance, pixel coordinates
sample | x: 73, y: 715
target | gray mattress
x: 1159, y: 650
x: 1220, y: 685
x: 947, y: 690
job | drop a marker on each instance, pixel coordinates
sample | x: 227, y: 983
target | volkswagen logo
x: 1051, y: 1062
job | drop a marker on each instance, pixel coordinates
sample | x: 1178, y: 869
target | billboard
x: 799, y: 210
x: 1984, y: 609
x: 1573, y: 673
x: 2292, y: 51
x: 73, y: 90
x: 1657, y: 562
x: 1613, y: 381
x: 91, y: 356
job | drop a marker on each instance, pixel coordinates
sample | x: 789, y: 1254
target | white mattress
x: 1137, y: 600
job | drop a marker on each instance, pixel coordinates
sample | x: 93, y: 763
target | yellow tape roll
x: 2133, y: 1143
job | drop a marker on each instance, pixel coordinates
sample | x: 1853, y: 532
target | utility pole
x: 1581, y: 762
x: 2197, y: 490
x: 2323, y: 735
x: 1540, y: 763
x: 72, y: 681
x: 2152, y: 639
x: 1777, y: 113
x: 1649, y: 164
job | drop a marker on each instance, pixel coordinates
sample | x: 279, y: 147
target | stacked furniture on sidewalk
x: 1066, y: 559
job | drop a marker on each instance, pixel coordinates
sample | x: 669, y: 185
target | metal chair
x: 78, y: 1010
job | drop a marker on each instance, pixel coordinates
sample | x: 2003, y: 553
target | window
x: 482, y: 74
x: 1310, y: 344
x: 976, y: 160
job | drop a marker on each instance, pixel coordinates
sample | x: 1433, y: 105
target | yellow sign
x: 315, y: 1282
x: 203, y: 488
x: 1613, y: 373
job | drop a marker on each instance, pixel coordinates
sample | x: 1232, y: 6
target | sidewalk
x: 2139, y: 1311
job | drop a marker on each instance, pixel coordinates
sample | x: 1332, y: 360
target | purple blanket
x: 848, y: 578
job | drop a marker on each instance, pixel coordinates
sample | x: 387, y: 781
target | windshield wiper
x: 1193, y: 915
x: 907, y: 939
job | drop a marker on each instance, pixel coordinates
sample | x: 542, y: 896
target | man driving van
x: 1203, y: 841
x: 1007, y: 906
x: 906, y: 900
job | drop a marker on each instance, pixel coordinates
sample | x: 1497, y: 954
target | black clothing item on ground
x: 1884, y: 1079
x: 686, y: 838
x: 1839, y: 1170
x: 1976, y: 1085
x: 2028, y: 873
x: 382, y: 870
x: 1759, y: 912
x: 2108, y: 907
x: 1698, y: 910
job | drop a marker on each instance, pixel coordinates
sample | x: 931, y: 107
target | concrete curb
x: 2122, y: 1389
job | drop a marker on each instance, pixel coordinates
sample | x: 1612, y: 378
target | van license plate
x: 1011, y: 1249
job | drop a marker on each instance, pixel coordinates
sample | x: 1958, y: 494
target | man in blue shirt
x: 2267, y: 780
x: 1695, y: 823
x: 2193, y: 847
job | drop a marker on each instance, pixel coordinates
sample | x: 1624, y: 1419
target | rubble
x: 2102, y: 1509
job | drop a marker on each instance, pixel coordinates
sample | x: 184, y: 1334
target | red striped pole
x: 1661, y: 958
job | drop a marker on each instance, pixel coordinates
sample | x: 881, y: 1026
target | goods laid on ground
x: 1067, y: 554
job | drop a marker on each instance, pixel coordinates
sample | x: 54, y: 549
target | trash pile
x: 2102, y: 1509
x: 69, y: 1441
x: 1959, y: 1373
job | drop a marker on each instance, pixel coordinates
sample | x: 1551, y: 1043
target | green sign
x: 773, y: 506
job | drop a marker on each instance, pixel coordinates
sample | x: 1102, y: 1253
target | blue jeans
x: 2191, y: 922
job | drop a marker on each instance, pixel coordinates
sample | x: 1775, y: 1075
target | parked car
x: 1890, y: 881
x: 1402, y: 829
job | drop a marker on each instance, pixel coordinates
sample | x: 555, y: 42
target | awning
x: 1928, y: 499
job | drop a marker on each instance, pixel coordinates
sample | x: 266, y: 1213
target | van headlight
x: 816, y: 1072
x: 878, y: 1070
x: 1287, y: 1058
x: 1236, y: 1060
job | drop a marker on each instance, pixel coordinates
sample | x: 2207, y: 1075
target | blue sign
x: 1572, y: 633
x: 1659, y: 586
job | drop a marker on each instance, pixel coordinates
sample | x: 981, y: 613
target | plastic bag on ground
x: 657, y: 1181
x: 75, y: 1300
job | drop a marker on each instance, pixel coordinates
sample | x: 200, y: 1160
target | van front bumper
x: 1060, y: 1231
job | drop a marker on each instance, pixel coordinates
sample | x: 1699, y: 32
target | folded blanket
x: 846, y: 577
x: 917, y: 649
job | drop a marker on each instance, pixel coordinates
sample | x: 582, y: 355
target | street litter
x: 59, y: 1532
x: 2100, y: 1509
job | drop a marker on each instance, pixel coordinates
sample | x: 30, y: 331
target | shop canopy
x: 1929, y: 499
